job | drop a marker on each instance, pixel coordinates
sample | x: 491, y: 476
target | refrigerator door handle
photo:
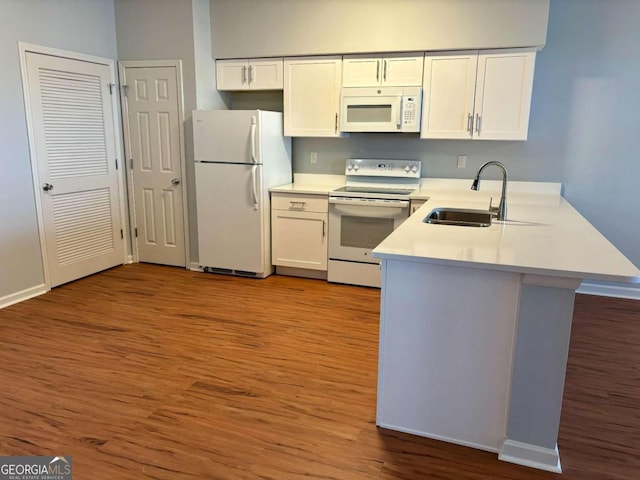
x: 253, y: 140
x: 254, y: 186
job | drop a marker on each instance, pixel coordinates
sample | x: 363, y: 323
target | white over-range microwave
x: 380, y: 109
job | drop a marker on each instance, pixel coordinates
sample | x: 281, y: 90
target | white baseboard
x: 441, y: 438
x: 23, y: 295
x: 630, y: 291
x: 530, y: 456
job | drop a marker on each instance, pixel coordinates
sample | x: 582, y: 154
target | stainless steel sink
x: 459, y: 216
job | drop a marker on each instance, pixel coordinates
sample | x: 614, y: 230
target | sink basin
x: 459, y: 216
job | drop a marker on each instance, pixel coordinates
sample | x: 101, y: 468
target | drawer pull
x: 298, y: 204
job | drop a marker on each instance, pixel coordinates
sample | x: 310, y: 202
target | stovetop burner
x: 383, y: 179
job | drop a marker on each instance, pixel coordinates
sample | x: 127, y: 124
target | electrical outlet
x: 462, y: 161
x: 313, y: 157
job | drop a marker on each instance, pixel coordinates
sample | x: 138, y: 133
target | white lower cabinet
x: 299, y: 228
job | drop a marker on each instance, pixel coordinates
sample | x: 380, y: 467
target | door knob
x: 47, y: 186
x: 175, y: 181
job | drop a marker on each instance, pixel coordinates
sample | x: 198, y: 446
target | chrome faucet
x: 501, y: 210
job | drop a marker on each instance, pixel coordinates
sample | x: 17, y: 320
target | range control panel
x: 383, y: 168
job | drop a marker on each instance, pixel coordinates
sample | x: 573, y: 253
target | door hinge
x: 136, y: 230
x: 125, y: 89
x: 131, y: 163
x: 116, y: 164
x: 121, y: 234
x: 111, y: 85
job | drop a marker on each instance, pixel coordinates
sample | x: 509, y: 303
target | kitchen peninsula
x: 475, y: 322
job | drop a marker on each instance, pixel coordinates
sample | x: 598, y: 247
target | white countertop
x: 309, y: 183
x: 297, y: 188
x: 543, y: 235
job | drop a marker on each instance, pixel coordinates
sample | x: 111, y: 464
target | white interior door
x: 153, y: 143
x: 75, y: 157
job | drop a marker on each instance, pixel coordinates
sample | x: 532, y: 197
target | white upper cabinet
x: 396, y: 70
x: 448, y: 94
x: 483, y: 95
x: 250, y: 74
x: 312, y: 96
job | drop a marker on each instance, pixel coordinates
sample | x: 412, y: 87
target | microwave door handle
x: 399, y: 116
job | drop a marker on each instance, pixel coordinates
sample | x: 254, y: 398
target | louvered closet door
x: 73, y: 133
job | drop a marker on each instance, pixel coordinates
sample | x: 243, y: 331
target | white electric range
x: 374, y: 201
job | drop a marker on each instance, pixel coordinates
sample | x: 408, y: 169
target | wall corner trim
x: 530, y: 456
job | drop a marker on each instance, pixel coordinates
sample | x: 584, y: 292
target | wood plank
x: 145, y: 371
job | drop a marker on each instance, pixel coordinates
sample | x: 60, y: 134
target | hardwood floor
x: 156, y: 372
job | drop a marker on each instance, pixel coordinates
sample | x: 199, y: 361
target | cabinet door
x: 299, y: 239
x: 402, y: 70
x: 232, y: 75
x: 448, y: 95
x: 361, y: 71
x: 265, y: 74
x: 312, y: 96
x: 503, y: 94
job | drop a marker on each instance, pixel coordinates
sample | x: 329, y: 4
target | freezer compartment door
x: 231, y: 233
x: 226, y: 136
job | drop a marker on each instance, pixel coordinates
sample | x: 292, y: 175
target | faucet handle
x: 492, y: 209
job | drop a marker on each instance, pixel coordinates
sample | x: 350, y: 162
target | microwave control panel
x: 409, y: 111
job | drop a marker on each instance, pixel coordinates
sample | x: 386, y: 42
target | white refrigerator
x: 239, y: 155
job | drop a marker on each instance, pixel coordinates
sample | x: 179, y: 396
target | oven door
x: 358, y: 225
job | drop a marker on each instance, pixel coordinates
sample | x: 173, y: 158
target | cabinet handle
x: 377, y: 70
x: 324, y: 231
x: 478, y: 120
x: 299, y: 204
x: 470, y: 124
x: 250, y: 73
x: 244, y: 74
x: 384, y: 75
x: 336, y: 126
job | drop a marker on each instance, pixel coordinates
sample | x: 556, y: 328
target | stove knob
x: 356, y: 167
x: 414, y: 169
x: 407, y: 168
x: 349, y: 167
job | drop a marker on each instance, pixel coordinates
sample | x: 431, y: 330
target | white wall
x: 595, y: 122
x: 86, y: 26
x: 252, y: 28
x: 583, y: 129
x: 174, y: 29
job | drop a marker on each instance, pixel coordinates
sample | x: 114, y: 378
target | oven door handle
x: 368, y: 203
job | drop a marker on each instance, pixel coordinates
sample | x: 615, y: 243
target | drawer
x: 300, y: 202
